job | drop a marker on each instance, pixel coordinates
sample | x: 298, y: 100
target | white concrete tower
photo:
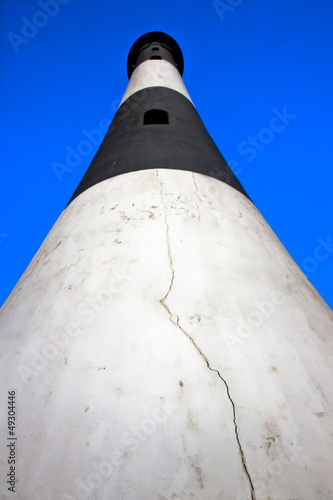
x: 162, y: 343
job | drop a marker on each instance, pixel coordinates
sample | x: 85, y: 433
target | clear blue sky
x: 245, y: 61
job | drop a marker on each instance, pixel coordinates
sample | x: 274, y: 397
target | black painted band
x: 155, y: 44
x: 182, y: 144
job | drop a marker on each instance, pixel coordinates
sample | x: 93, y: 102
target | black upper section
x: 156, y: 128
x: 156, y: 45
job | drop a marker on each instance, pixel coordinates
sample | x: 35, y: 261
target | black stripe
x: 143, y: 49
x: 182, y: 144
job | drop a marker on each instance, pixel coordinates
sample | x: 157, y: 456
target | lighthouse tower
x: 162, y: 343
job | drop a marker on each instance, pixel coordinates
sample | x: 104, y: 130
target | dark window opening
x: 155, y: 57
x: 156, y: 117
x: 155, y: 48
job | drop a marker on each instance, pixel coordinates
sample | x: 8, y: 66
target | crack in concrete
x: 177, y: 324
x: 197, y: 194
x: 168, y: 239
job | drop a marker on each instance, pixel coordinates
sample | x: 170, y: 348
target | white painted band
x: 155, y: 74
x: 161, y: 312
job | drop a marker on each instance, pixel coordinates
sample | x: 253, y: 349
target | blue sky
x: 63, y: 70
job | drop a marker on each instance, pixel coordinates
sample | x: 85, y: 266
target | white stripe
x: 105, y: 338
x: 155, y: 73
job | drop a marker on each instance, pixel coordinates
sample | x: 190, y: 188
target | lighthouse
x: 162, y: 343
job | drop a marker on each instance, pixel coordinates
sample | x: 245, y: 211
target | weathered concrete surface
x: 163, y: 344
